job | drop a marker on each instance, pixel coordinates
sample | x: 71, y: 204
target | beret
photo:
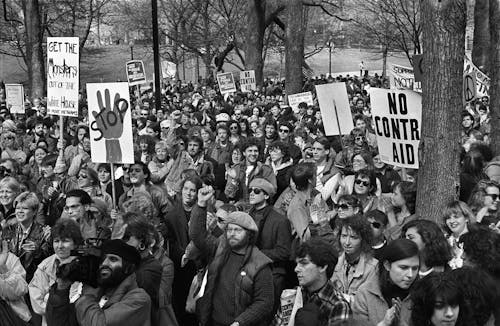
x: 120, y: 248
x: 242, y: 219
x: 263, y: 184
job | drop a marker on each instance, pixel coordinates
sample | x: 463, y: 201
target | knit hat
x: 242, y: 219
x: 9, y: 125
x: 120, y: 248
x: 263, y: 184
x: 222, y: 117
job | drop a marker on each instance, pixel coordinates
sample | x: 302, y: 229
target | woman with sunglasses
x: 484, y: 203
x: 356, y: 264
x: 235, y: 136
x: 378, y: 222
x: 88, y: 180
x: 435, y: 252
x: 356, y: 144
x: 10, y: 148
x: 384, y: 299
x: 365, y: 189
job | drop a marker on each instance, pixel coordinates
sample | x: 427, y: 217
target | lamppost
x: 330, y: 45
x: 131, y: 44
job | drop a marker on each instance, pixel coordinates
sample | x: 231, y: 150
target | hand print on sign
x: 109, y: 123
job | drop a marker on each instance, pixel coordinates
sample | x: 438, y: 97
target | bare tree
x: 481, y: 40
x: 439, y: 153
x: 494, y: 55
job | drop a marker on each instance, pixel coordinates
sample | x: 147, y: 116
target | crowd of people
x: 239, y: 211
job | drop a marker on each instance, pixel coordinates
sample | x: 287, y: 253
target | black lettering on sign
x: 403, y: 153
x: 110, y: 118
x: 401, y: 102
x: 469, y: 88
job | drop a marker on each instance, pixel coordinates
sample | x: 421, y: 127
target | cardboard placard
x: 295, y: 99
x: 247, y: 81
x: 15, y: 97
x: 335, y: 109
x: 136, y: 74
x: 226, y: 83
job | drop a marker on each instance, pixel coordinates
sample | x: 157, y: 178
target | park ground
x: 107, y: 64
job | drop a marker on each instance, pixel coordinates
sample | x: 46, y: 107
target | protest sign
x: 247, y: 81
x: 226, y: 83
x: 136, y: 74
x: 110, y: 120
x: 62, y: 75
x: 168, y: 69
x: 469, y: 87
x: 482, y: 81
x: 335, y: 110
x: 397, y: 116
x: 15, y: 97
x: 295, y: 99
x: 403, y: 78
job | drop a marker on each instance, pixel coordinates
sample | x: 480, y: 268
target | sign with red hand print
x: 110, y: 121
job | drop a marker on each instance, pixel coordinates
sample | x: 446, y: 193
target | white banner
x: 110, y: 119
x: 136, y: 74
x: 295, y: 99
x: 15, y: 97
x: 335, y: 110
x: 482, y: 81
x: 403, y: 78
x: 247, y: 81
x: 226, y: 83
x: 397, y: 116
x: 63, y: 73
x: 168, y: 69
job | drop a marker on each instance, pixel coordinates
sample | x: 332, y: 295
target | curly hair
x: 442, y: 288
x: 457, y: 208
x: 437, y: 251
x: 370, y: 175
x: 283, y: 147
x: 359, y: 225
x: 482, y: 248
x: 409, y: 192
x: 66, y: 228
x: 142, y: 204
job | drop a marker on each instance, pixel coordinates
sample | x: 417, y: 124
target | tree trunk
x: 85, y: 36
x: 294, y: 46
x: 439, y: 153
x: 34, y: 39
x: 481, y: 41
x: 384, y: 61
x: 495, y: 75
x: 255, y: 39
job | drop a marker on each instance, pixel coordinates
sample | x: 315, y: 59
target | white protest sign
x: 168, y: 69
x: 226, y: 83
x: 469, y: 87
x: 295, y: 99
x: 482, y: 81
x: 110, y: 119
x: 335, y: 110
x: 397, y: 116
x: 247, y: 81
x: 136, y: 74
x: 403, y: 78
x: 62, y: 75
x: 15, y: 97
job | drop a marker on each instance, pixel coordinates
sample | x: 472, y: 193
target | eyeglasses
x: 9, y: 137
x: 361, y: 182
x: 286, y: 131
x: 256, y: 191
x: 233, y: 127
x: 358, y: 138
x: 376, y: 225
x: 493, y: 196
x: 342, y: 206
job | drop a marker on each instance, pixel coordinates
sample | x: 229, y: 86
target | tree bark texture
x: 34, y: 39
x: 481, y: 40
x: 256, y: 26
x: 294, y: 46
x: 495, y: 75
x: 439, y: 153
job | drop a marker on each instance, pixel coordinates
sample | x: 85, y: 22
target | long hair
x: 457, y: 207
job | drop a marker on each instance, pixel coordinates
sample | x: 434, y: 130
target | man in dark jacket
x: 239, y: 289
x: 118, y: 301
x: 275, y: 235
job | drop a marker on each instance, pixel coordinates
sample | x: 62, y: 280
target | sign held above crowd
x: 136, y: 74
x: 226, y: 83
x: 168, y: 69
x: 397, y: 117
x: 403, y: 78
x: 110, y: 120
x: 335, y: 109
x: 247, y: 81
x: 63, y: 74
x: 15, y: 97
x: 295, y: 99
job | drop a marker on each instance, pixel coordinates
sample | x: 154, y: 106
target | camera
x: 85, y: 266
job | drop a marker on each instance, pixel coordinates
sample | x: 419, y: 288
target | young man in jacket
x: 117, y: 301
x: 239, y: 289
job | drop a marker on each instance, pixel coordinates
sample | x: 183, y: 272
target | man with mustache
x: 239, y: 288
x: 117, y: 301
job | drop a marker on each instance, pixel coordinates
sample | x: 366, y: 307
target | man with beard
x: 239, y: 288
x: 270, y: 135
x: 203, y: 164
x: 38, y: 132
x: 117, y: 301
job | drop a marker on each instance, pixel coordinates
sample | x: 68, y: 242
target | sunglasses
x: 256, y: 191
x: 342, y: 206
x: 285, y: 131
x: 9, y: 137
x: 82, y: 176
x: 376, y: 225
x: 361, y: 182
x: 493, y: 196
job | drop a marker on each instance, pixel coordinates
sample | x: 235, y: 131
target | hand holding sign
x: 109, y: 122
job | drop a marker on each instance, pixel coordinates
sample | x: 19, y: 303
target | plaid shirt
x: 334, y: 310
